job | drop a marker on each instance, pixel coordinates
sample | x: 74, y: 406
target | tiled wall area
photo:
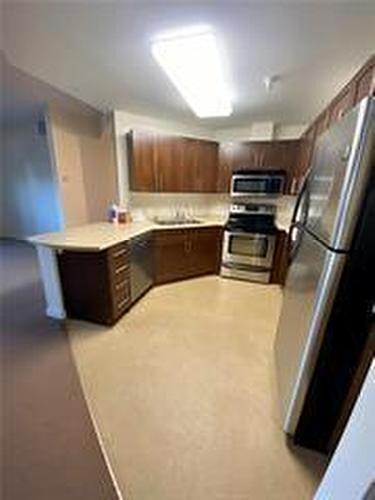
x: 150, y: 205
x: 146, y: 206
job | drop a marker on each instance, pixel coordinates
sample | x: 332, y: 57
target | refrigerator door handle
x: 295, y: 233
x: 302, y: 201
x: 295, y: 239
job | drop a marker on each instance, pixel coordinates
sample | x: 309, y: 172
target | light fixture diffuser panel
x: 193, y: 65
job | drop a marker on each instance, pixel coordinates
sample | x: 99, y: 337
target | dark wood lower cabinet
x: 170, y: 255
x: 96, y: 285
x: 184, y: 253
x: 280, y: 260
x: 205, y: 250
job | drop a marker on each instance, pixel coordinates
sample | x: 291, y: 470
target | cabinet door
x: 280, y: 260
x: 169, y: 163
x: 342, y: 103
x: 190, y: 160
x: 96, y: 285
x: 170, y: 255
x: 365, y: 83
x: 225, y: 167
x: 304, y: 159
x: 204, y: 250
x: 206, y: 167
x: 141, y: 159
x: 283, y: 155
x: 257, y: 155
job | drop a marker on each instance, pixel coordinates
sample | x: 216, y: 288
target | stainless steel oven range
x: 249, y: 242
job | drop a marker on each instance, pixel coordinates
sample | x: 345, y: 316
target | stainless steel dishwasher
x: 141, y: 265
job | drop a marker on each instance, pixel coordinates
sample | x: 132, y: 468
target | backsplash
x: 146, y: 206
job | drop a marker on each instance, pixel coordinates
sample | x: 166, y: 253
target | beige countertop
x: 101, y: 235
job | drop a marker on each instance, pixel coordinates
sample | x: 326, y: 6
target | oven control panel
x: 252, y: 209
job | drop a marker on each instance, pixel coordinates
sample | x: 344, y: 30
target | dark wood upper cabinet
x: 342, y: 103
x: 225, y: 167
x: 360, y: 86
x: 305, y: 153
x: 141, y: 160
x: 248, y: 155
x: 171, y: 163
x: 206, y: 166
x: 168, y: 153
x: 365, y: 81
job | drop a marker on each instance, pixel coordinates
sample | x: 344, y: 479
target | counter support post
x: 51, y: 282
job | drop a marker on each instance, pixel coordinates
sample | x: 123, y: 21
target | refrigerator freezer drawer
x: 309, y: 292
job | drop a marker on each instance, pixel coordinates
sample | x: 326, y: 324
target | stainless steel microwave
x: 258, y: 183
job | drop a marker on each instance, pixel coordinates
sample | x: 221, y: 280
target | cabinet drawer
x: 118, y: 255
x: 121, y: 299
x: 121, y: 288
x: 120, y: 273
x: 121, y: 306
x: 119, y: 263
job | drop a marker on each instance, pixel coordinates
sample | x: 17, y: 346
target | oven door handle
x: 246, y: 234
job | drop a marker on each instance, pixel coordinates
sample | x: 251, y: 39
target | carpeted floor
x: 50, y: 451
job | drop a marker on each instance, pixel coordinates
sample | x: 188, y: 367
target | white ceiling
x: 100, y: 52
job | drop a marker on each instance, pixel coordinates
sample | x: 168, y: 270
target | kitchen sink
x: 176, y: 222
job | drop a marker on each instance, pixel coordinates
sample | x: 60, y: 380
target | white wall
x: 352, y: 468
x: 261, y: 131
x: 82, y: 144
x: 287, y: 132
x: 30, y: 203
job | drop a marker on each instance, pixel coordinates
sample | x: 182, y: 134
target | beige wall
x: 80, y: 142
x: 83, y: 151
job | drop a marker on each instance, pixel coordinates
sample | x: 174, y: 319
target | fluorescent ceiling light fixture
x: 192, y: 61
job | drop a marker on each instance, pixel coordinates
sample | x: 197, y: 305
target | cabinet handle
x: 121, y: 304
x: 188, y: 245
x: 119, y: 253
x: 121, y: 285
x: 121, y: 269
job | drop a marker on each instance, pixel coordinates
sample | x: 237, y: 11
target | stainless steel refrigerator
x: 328, y: 293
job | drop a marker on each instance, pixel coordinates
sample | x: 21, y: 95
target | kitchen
x: 196, y: 306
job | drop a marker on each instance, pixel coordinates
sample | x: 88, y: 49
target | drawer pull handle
x: 121, y: 304
x: 121, y: 269
x: 119, y: 253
